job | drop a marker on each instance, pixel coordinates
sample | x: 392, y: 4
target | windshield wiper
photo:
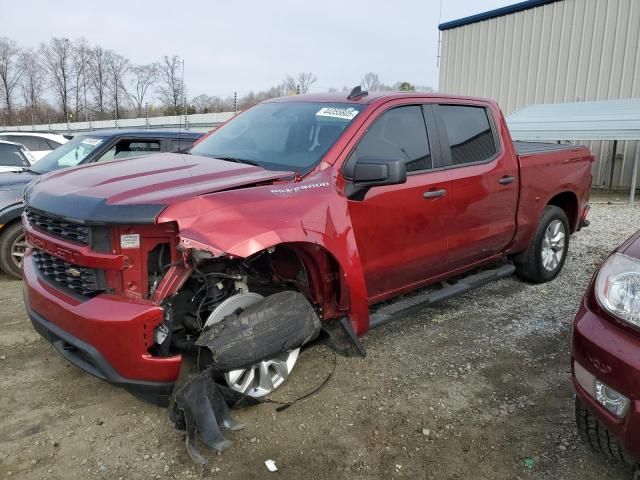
x: 235, y: 160
x: 27, y: 169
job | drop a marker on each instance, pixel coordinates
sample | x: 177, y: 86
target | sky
x: 253, y: 44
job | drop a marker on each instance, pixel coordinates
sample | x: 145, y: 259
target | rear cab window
x: 469, y: 133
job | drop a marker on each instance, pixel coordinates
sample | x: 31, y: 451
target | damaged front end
x: 244, y: 341
x: 242, y: 321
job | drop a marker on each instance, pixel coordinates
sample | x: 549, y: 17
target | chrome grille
x: 74, y: 232
x: 82, y: 280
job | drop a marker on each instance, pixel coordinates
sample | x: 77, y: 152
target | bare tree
x: 97, y: 77
x: 171, y: 90
x: 117, y: 68
x: 56, y: 57
x: 371, y: 82
x: 305, y: 80
x: 31, y: 81
x: 79, y: 64
x: 143, y: 78
x: 289, y: 86
x: 202, y: 103
x: 9, y: 71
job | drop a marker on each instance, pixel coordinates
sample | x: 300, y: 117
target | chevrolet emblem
x: 74, y: 272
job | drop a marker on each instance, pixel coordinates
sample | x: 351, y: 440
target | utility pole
x: 235, y: 103
x: 146, y: 114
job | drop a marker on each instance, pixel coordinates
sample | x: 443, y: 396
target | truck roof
x: 371, y: 97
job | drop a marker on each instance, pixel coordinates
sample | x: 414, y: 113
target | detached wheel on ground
x: 13, y: 244
x: 544, y: 258
x: 594, y: 434
x: 255, y: 341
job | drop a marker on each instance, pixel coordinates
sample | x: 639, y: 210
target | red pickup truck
x: 356, y: 202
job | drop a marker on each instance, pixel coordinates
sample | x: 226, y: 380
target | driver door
x: 400, y: 230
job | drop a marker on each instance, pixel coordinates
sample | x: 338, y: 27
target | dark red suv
x: 606, y: 356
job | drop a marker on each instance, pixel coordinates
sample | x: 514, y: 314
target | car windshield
x: 70, y: 154
x: 290, y: 136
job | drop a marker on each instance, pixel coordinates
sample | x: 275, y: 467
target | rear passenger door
x: 484, y: 183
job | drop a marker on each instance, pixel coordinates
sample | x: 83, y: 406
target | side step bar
x: 417, y: 302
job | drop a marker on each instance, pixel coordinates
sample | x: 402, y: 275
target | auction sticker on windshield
x: 343, y: 113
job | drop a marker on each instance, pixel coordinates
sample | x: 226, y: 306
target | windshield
x: 291, y: 136
x: 68, y: 155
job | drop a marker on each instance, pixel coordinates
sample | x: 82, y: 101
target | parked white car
x: 14, y: 157
x: 39, y: 144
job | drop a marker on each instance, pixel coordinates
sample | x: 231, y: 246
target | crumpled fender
x: 241, y: 222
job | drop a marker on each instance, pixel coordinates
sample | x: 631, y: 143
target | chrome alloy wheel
x: 18, y: 249
x: 262, y: 379
x: 553, y: 244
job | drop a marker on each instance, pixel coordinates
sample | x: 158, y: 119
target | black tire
x: 529, y: 264
x: 278, y: 323
x: 596, y: 435
x: 10, y: 235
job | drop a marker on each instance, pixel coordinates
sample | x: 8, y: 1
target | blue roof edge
x: 498, y: 12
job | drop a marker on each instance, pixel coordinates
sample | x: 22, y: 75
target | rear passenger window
x: 469, y: 133
x: 399, y: 134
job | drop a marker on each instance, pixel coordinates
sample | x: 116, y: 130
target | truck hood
x: 137, y: 190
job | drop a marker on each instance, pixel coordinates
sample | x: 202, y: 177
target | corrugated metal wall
x: 567, y: 51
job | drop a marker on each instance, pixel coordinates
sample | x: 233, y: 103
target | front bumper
x: 609, y: 351
x: 106, y: 336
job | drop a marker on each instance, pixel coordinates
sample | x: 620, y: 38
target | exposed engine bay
x: 218, y: 288
x: 244, y: 322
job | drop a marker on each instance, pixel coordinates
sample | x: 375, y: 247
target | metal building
x: 549, y: 51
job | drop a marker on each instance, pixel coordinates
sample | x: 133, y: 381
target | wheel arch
x: 10, y: 215
x: 568, y: 202
x: 315, y: 271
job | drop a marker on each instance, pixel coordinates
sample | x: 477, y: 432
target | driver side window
x: 398, y: 134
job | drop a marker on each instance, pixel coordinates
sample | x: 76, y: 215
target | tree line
x: 70, y: 80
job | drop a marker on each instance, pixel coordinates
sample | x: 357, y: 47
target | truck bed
x: 528, y: 148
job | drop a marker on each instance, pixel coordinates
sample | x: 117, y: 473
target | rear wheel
x: 545, y: 256
x: 594, y: 434
x: 13, y: 245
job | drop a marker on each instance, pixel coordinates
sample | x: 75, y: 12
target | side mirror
x: 374, y: 172
x: 370, y: 172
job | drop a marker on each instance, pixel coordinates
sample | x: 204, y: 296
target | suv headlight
x: 618, y: 287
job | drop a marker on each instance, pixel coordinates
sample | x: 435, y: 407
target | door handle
x: 506, y: 180
x: 434, y: 193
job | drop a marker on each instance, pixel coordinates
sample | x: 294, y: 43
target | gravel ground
x: 470, y: 389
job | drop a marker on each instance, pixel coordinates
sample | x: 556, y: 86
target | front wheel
x: 13, y: 245
x: 545, y: 256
